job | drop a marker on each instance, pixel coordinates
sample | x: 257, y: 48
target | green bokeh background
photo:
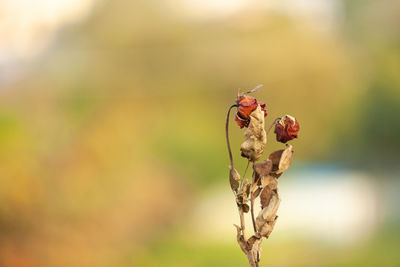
x: 112, y: 134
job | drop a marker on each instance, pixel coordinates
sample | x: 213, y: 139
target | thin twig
x: 227, y: 135
x: 252, y: 190
x: 252, y: 213
x: 242, y: 223
x: 245, y: 170
x: 252, y: 206
x: 273, y: 123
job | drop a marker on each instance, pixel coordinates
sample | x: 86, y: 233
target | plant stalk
x: 227, y: 134
x: 272, y: 124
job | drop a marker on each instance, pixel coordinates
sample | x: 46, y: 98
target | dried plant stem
x: 252, y: 190
x: 245, y: 171
x: 252, y: 214
x: 227, y: 135
x: 272, y: 124
x: 242, y: 222
x: 263, y: 184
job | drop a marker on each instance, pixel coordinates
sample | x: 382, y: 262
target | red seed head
x: 247, y: 104
x: 286, y: 129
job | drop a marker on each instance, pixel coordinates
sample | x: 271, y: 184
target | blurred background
x: 112, y: 147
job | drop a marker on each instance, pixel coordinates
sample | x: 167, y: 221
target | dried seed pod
x: 245, y: 190
x: 281, y: 160
x: 234, y: 178
x: 275, y: 158
x: 261, y: 171
x: 286, y: 129
x: 265, y: 220
x: 286, y: 159
x: 256, y: 138
x: 245, y: 208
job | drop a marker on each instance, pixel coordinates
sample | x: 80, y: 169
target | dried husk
x: 234, y: 178
x: 261, y: 170
x: 266, y: 218
x: 243, y: 193
x: 275, y: 158
x: 255, y: 136
x: 281, y: 160
x: 286, y: 159
x: 269, y: 200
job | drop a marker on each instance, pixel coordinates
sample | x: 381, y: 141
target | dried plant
x: 264, y: 183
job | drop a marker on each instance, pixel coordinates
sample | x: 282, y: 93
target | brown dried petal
x: 265, y: 196
x: 275, y: 157
x: 262, y: 169
x: 255, y: 136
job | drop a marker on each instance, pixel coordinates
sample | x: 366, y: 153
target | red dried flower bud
x: 241, y: 122
x: 286, y: 129
x: 247, y: 105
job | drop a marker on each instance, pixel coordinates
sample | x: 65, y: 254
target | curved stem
x: 227, y: 135
x: 272, y: 124
x: 252, y: 205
